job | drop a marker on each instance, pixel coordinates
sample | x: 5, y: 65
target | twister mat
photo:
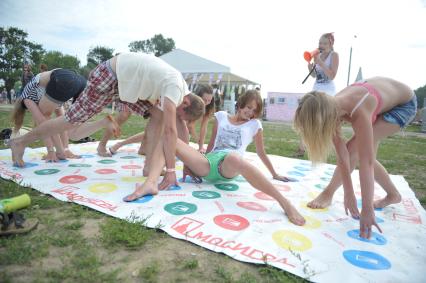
x: 237, y: 220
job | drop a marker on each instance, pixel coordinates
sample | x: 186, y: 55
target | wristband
x: 170, y: 170
x: 50, y: 150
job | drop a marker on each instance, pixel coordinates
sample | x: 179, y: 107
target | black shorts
x: 64, y: 85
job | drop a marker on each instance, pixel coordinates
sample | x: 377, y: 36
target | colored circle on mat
x: 133, y: 179
x: 329, y: 173
x: 72, y: 179
x: 240, y: 179
x: 283, y: 188
x: 325, y: 179
x: 263, y: 196
x: 320, y: 186
x: 296, y: 173
x: 143, y: 199
x: 63, y: 161
x: 313, y: 195
x: 107, y: 161
x: 206, y: 194
x: 231, y: 222
x: 131, y: 166
x: 291, y: 240
x: 367, y: 260
x: 129, y: 157
x: 5, y: 157
x: 46, y: 171
x: 304, y: 204
x: 311, y: 222
x: 227, y: 186
x: 102, y: 188
x: 79, y: 165
x: 250, y: 205
x: 87, y: 155
x: 27, y: 165
x: 302, y: 168
x: 375, y: 239
x: 180, y: 208
x: 174, y: 188
x: 105, y: 171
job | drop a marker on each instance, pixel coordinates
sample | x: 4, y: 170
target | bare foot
x: 388, y: 200
x: 113, y: 126
x: 102, y: 151
x: 70, y: 154
x: 293, y: 215
x: 322, y: 201
x: 17, y: 153
x: 113, y: 149
x: 142, y: 190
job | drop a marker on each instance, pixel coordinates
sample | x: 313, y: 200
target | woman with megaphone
x: 323, y: 69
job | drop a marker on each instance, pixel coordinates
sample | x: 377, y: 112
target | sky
x: 262, y: 41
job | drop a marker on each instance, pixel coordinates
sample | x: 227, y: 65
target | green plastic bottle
x: 12, y: 204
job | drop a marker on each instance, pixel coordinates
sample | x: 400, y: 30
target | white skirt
x: 329, y: 88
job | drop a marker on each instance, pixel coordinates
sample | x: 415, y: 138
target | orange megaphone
x: 309, y: 55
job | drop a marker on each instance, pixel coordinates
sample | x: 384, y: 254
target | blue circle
x: 143, y: 199
x: 63, y: 160
x: 366, y: 260
x: 376, y: 239
x: 325, y: 179
x: 302, y: 168
x: 296, y: 173
x: 359, y: 204
x: 320, y: 186
x: 87, y: 155
x: 129, y: 157
x: 26, y: 165
x: 175, y: 188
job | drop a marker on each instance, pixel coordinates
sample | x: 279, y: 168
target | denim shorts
x: 402, y: 114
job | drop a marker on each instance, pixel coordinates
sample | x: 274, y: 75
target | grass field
x: 76, y: 244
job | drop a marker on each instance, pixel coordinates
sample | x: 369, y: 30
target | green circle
x: 80, y: 165
x: 320, y: 186
x: 107, y: 161
x: 46, y: 171
x: 206, y: 194
x: 180, y: 208
x: 129, y: 157
x: 227, y: 186
x: 240, y: 179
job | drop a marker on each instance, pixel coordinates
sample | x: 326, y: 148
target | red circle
x: 263, y: 196
x: 106, y: 171
x: 72, y: 179
x: 231, y: 222
x: 283, y: 188
x: 250, y: 205
x: 131, y: 166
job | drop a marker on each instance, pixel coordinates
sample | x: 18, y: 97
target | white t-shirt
x: 146, y: 77
x: 231, y: 137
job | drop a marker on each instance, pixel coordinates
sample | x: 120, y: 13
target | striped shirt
x: 33, y: 91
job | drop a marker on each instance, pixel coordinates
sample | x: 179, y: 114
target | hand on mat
x: 188, y: 172
x: 50, y: 157
x: 168, y: 180
x: 282, y: 178
x: 367, y: 220
x: 202, y: 150
x: 351, y: 205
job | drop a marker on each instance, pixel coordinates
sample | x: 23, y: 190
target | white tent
x: 197, y: 70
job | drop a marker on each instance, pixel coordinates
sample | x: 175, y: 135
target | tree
x: 55, y: 59
x: 15, y: 50
x: 99, y: 54
x: 421, y: 95
x: 157, y: 45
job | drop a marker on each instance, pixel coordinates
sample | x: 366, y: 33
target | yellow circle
x: 37, y: 154
x: 133, y: 179
x: 311, y: 222
x: 102, y: 188
x: 5, y: 158
x: 313, y: 194
x: 291, y: 240
x: 303, y: 204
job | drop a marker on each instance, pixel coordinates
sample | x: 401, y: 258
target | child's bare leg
x: 133, y: 139
x: 153, y: 133
x: 193, y: 159
x: 382, y: 177
x: 233, y: 164
x: 108, y: 134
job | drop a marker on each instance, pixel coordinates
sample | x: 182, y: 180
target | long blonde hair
x: 18, y: 115
x: 317, y: 122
